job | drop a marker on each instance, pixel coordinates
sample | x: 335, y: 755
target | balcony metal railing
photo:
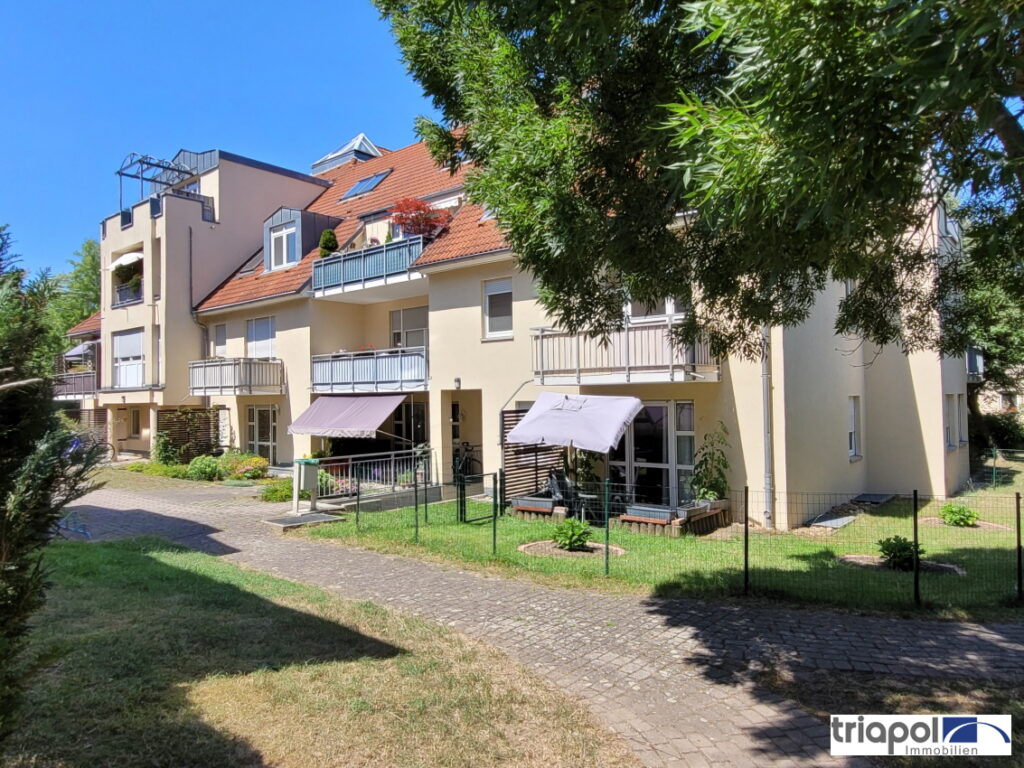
x: 129, y: 374
x: 126, y: 293
x: 640, y: 352
x: 377, y: 262
x: 401, y: 369
x: 373, y: 472
x: 235, y: 376
x: 75, y: 386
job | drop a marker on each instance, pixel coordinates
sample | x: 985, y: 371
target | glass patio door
x: 654, y: 459
x: 262, y: 432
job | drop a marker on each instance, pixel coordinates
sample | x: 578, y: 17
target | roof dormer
x: 290, y: 234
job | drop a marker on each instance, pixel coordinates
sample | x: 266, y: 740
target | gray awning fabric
x: 345, y: 415
x: 81, y: 350
x: 590, y: 422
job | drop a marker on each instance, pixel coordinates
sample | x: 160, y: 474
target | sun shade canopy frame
x: 589, y: 422
x: 345, y: 415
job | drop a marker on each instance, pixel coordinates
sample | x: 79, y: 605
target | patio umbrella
x: 589, y: 422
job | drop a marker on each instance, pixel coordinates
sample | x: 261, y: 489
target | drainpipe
x: 766, y: 406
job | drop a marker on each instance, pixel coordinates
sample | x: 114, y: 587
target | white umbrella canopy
x: 590, y: 422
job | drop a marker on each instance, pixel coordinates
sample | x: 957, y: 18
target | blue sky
x: 84, y: 84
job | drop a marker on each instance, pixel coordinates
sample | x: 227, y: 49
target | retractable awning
x: 590, y: 422
x: 81, y: 350
x: 126, y: 258
x: 345, y: 415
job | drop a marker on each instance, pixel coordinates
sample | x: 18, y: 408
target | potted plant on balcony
x: 328, y: 243
x: 418, y: 217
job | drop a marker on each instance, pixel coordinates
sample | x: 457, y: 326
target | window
x: 853, y: 442
x: 456, y: 421
x: 220, y: 340
x: 284, y: 247
x: 259, y: 337
x: 498, y: 309
x: 961, y: 413
x: 129, y: 360
x: 410, y: 424
x: 685, y: 449
x: 395, y: 230
x: 135, y: 422
x: 639, y: 310
x: 950, y: 420
x: 409, y: 327
x: 368, y: 184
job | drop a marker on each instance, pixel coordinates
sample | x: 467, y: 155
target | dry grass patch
x: 174, y: 658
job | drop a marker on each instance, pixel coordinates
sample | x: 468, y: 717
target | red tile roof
x: 468, y: 234
x: 413, y: 174
x: 90, y: 325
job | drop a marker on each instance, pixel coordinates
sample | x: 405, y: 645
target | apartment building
x: 430, y: 338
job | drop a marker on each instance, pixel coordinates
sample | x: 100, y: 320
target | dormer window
x: 368, y: 184
x: 284, y: 247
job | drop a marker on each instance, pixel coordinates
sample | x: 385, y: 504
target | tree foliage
x: 78, y: 291
x: 39, y: 473
x: 806, y: 142
x: 418, y: 217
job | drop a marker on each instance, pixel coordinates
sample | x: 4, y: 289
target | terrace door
x: 641, y: 461
x: 262, y: 432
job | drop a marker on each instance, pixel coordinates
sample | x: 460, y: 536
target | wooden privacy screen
x: 526, y: 466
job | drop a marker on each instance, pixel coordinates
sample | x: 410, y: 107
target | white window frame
x: 961, y: 418
x: 497, y: 287
x: 280, y: 234
x: 400, y: 336
x: 219, y: 337
x: 260, y: 347
x: 131, y: 366
x: 853, y: 434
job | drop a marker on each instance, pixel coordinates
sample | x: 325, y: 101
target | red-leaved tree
x: 417, y: 217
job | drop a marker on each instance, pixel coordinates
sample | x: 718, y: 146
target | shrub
x: 204, y: 468
x: 899, y: 552
x: 571, y: 535
x: 1006, y: 430
x: 138, y: 466
x: 243, y: 466
x: 418, y: 217
x: 177, y: 471
x: 709, y: 479
x: 164, y: 450
x: 328, y: 243
x: 958, y: 515
x: 280, y: 490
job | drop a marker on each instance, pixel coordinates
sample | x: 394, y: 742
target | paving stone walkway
x: 672, y: 677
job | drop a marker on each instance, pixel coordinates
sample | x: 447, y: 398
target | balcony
x: 126, y: 294
x: 235, y: 376
x: 402, y: 369
x: 75, y: 386
x: 376, y: 265
x: 639, y: 353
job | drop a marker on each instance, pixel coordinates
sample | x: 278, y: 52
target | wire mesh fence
x: 1004, y: 468
x: 835, y: 548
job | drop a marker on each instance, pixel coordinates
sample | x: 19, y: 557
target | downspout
x: 766, y: 407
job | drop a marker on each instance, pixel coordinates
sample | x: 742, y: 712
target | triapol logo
x: 937, y: 735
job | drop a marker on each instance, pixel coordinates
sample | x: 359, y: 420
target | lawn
x: 178, y: 659
x: 795, y: 565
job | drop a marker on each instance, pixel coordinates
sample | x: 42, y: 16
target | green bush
x: 710, y: 481
x: 138, y: 466
x: 164, y: 451
x: 571, y: 535
x: 243, y: 466
x: 328, y: 243
x: 280, y: 490
x: 204, y: 468
x: 958, y: 515
x: 177, y: 471
x: 899, y: 552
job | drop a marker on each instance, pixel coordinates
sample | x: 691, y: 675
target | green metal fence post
x: 494, y: 515
x: 746, y: 539
x: 416, y: 516
x: 359, y: 487
x: 607, y: 532
x: 917, y: 560
x: 995, y: 456
x: 1020, y: 554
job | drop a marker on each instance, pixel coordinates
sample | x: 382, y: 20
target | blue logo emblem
x: 964, y: 730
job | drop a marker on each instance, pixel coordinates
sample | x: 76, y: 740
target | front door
x: 263, y: 432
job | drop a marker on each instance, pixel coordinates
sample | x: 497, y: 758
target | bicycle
x: 86, y: 441
x: 465, y: 462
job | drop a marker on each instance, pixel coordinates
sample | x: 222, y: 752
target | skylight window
x: 368, y: 184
